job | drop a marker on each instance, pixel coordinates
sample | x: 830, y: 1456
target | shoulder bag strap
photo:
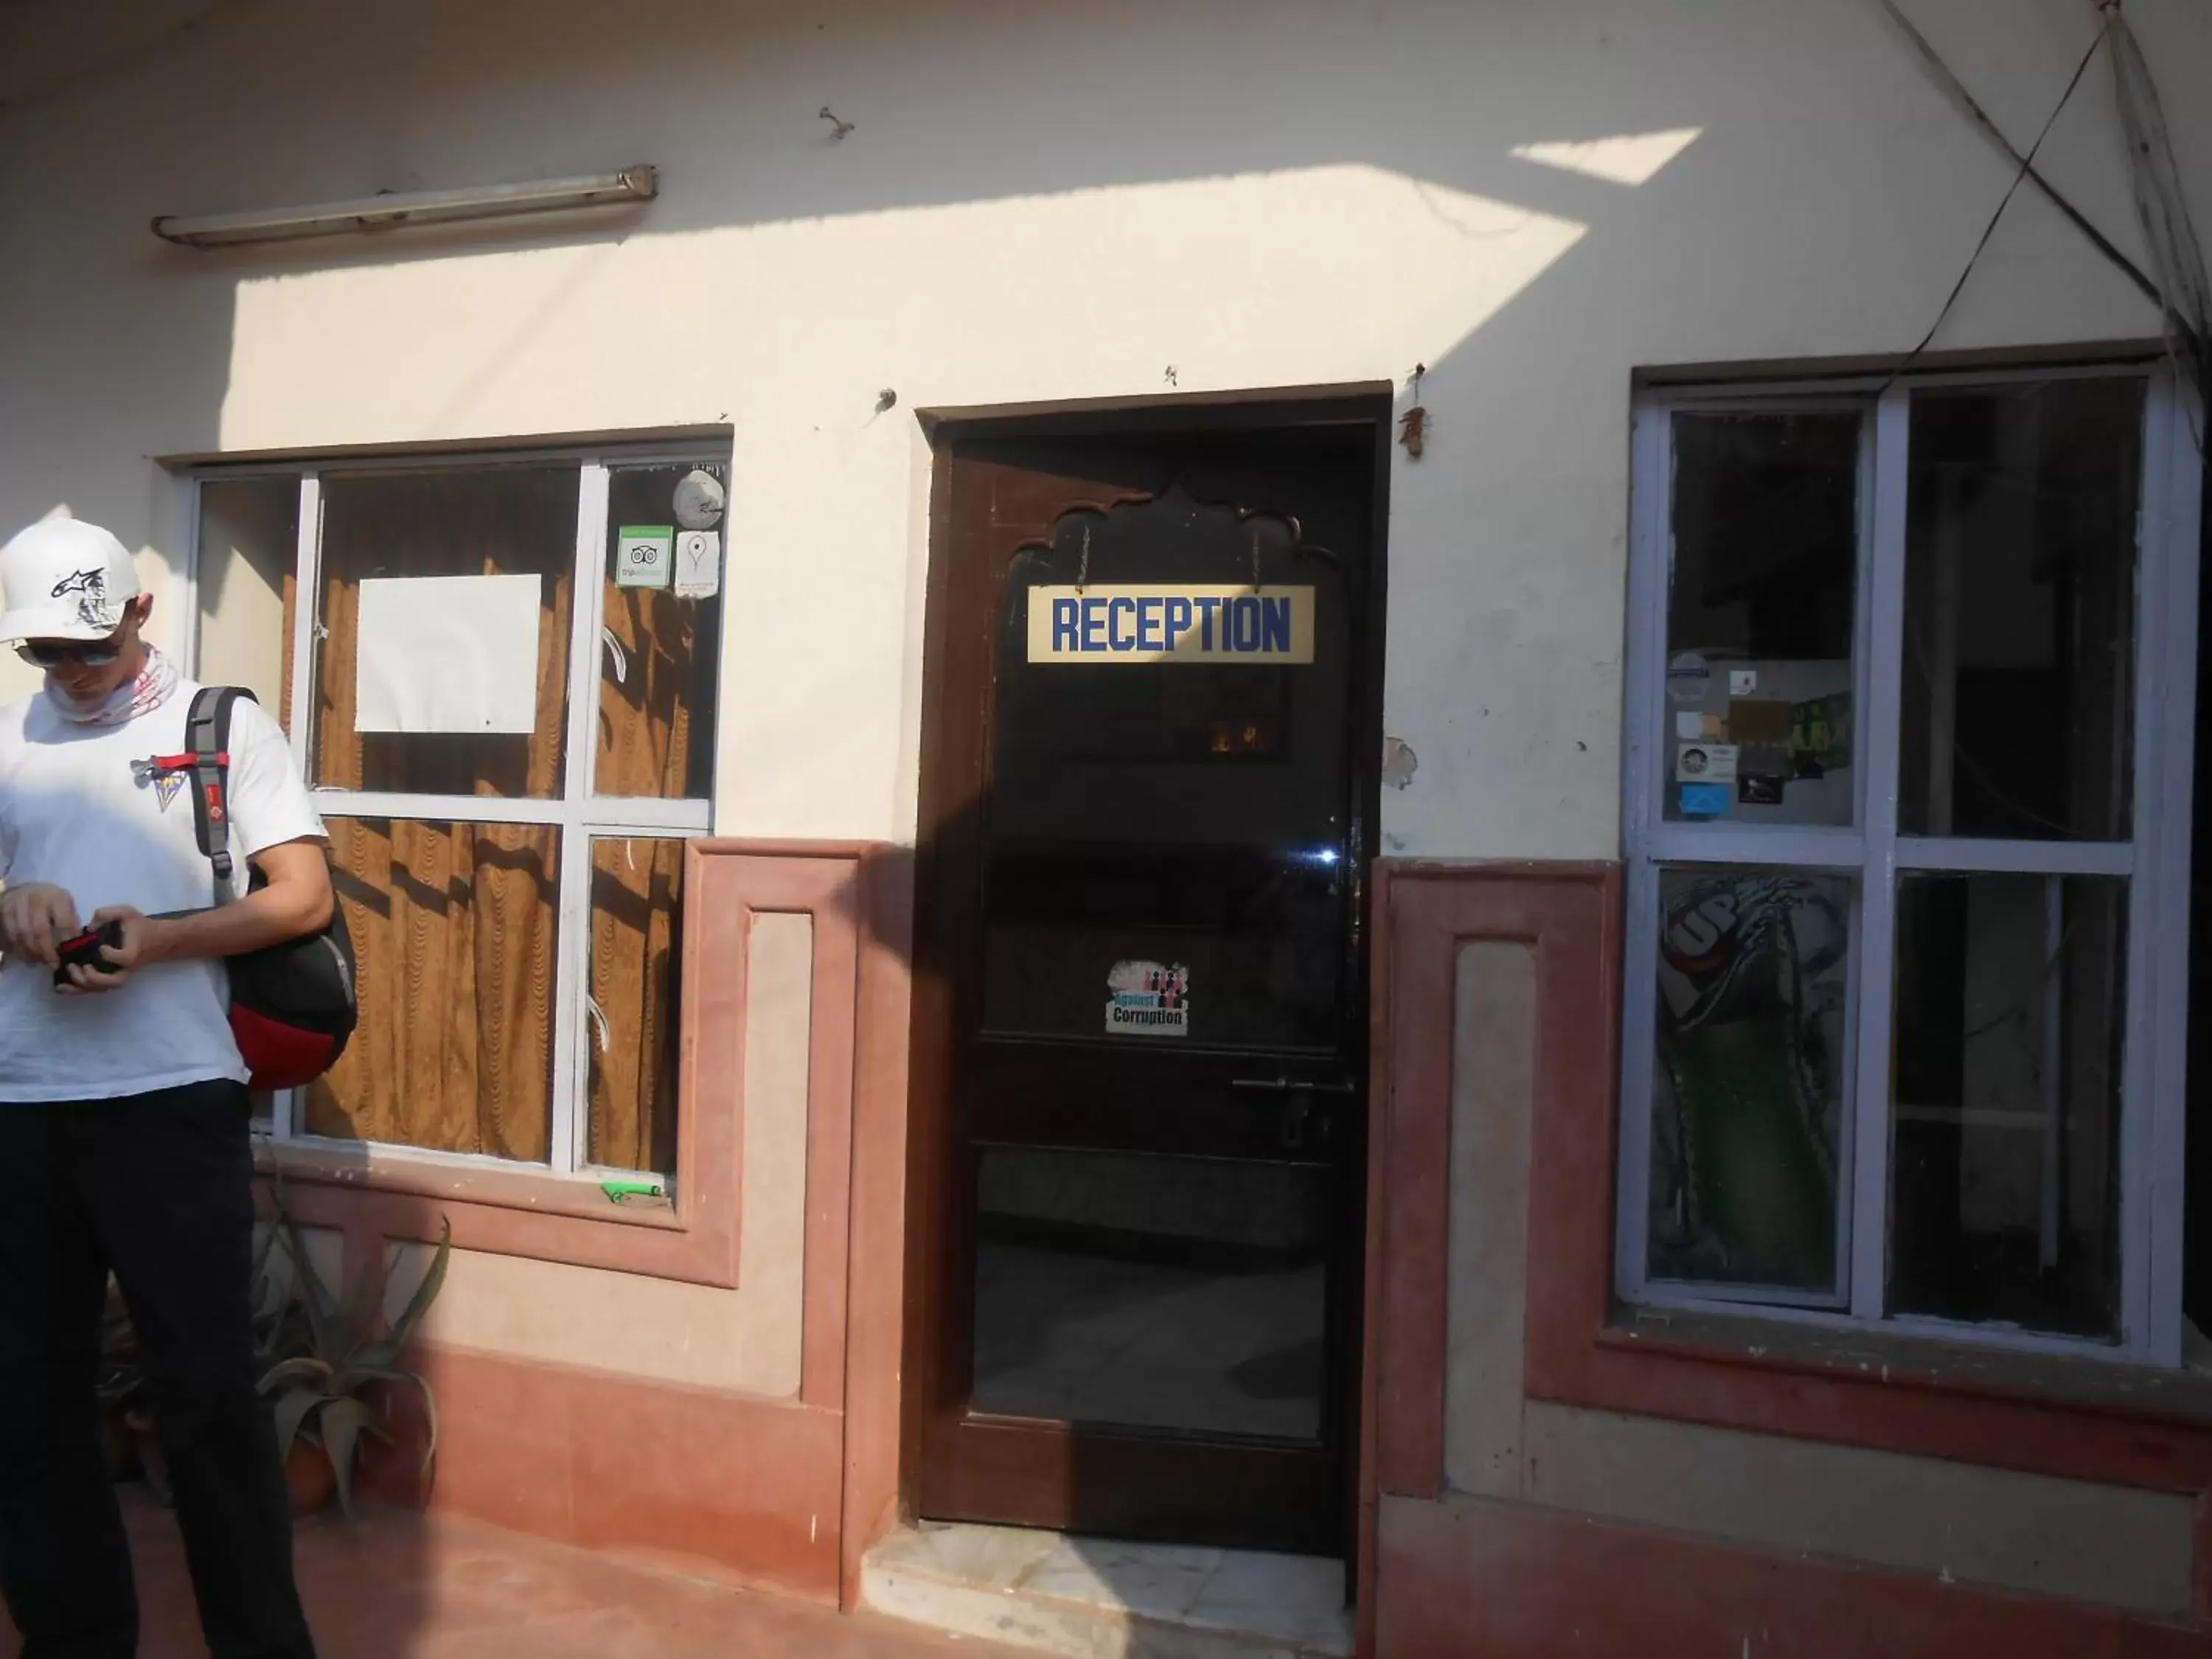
x: 207, y: 740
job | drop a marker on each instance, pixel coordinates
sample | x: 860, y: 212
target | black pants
x: 159, y: 1187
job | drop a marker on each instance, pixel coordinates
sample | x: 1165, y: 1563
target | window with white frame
x: 1911, y: 677
x: 501, y: 690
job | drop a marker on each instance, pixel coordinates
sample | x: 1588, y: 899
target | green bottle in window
x: 1745, y: 1118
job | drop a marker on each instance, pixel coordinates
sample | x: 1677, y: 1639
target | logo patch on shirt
x: 166, y: 785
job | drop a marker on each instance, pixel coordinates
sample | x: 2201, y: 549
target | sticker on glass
x: 698, y: 563
x: 1705, y: 800
x: 1148, y: 998
x: 644, y: 554
x: 698, y: 500
x: 1820, y: 736
x: 1689, y: 678
x: 1705, y: 763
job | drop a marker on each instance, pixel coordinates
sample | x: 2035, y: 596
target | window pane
x: 1189, y: 1294
x: 249, y: 549
x: 453, y: 927
x: 662, y: 612
x: 1747, y: 1100
x: 1169, y: 815
x: 2019, y: 611
x: 637, y: 894
x: 2005, y: 1167
x: 510, y: 521
x: 1760, y: 613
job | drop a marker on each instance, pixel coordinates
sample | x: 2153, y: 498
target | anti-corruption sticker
x: 1148, y: 998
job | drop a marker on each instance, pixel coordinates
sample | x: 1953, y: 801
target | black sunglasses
x: 52, y: 653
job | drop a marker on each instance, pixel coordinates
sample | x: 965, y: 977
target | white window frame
x: 581, y: 816
x: 1872, y: 853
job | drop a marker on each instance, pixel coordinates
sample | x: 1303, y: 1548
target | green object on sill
x: 624, y: 1191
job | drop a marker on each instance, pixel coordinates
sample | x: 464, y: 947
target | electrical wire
x: 2163, y: 210
x: 1950, y: 78
x: 2026, y: 169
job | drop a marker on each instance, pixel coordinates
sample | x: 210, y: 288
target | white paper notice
x: 447, y: 653
x: 698, y: 563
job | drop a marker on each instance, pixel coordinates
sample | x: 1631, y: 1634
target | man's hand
x: 34, y: 918
x: 294, y: 900
x: 142, y: 946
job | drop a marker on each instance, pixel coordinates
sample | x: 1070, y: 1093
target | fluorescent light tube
x: 421, y: 207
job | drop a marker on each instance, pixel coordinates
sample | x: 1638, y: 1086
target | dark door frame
x: 932, y: 1052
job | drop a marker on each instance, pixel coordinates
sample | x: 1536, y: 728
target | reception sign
x: 1170, y: 622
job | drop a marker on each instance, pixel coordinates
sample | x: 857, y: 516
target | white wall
x: 1050, y: 201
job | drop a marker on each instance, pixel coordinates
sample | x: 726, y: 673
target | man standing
x: 123, y: 1114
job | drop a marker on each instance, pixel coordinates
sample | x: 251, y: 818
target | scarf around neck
x: 155, y: 681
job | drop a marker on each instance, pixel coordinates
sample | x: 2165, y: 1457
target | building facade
x: 1260, y: 774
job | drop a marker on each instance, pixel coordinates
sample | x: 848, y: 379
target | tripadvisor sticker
x: 1148, y: 998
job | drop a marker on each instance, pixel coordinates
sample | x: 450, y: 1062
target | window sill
x: 2180, y: 1396
x: 380, y: 1192
x: 2111, y: 1422
x: 389, y: 1169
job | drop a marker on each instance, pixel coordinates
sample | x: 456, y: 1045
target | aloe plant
x: 330, y: 1361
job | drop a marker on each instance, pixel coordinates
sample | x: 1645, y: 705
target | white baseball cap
x: 64, y: 579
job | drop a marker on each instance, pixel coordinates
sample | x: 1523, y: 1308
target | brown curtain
x: 645, y: 737
x: 636, y: 898
x: 454, y: 924
x: 454, y: 928
x: 645, y: 722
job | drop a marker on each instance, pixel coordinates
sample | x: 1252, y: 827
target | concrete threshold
x: 1091, y: 1598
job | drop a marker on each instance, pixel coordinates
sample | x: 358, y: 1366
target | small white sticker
x: 698, y: 563
x: 1689, y: 678
x: 1742, y: 682
x: 1148, y: 998
x: 1691, y: 727
x: 643, y: 555
x: 1705, y: 763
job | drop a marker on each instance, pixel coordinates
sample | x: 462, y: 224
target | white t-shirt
x: 73, y: 813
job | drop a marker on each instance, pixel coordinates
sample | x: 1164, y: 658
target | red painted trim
x: 776, y: 1493
x: 1576, y: 1355
x: 1968, y: 1423
x: 1568, y: 915
x: 1423, y: 913
x: 746, y: 1486
x: 1480, y: 1580
x: 532, y: 1212
x: 876, y: 1296
x: 1380, y: 1049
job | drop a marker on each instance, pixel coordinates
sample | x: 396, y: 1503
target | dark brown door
x: 1141, y: 1053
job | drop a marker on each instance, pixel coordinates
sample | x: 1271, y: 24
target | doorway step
x: 1091, y: 1598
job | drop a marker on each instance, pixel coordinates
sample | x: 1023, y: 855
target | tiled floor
x: 401, y: 1588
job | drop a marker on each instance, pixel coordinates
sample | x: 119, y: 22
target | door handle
x: 1285, y: 1084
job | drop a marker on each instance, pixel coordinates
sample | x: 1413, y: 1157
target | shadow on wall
x: 1588, y: 182
x: 1527, y: 201
x: 1610, y: 117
